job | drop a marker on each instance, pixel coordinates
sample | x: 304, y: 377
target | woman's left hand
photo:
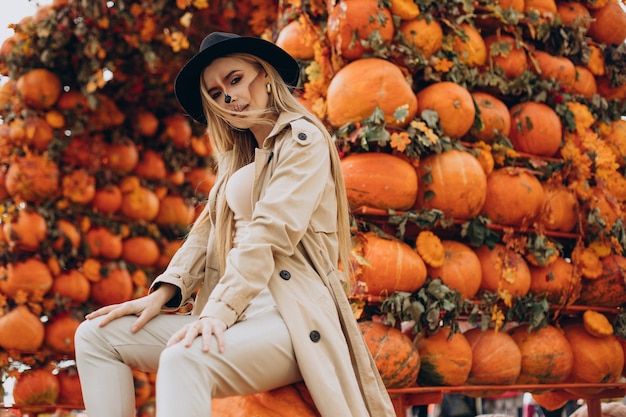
x: 204, y: 326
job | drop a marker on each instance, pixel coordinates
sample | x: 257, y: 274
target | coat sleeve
x: 279, y: 220
x: 186, y: 269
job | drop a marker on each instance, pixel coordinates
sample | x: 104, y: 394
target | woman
x: 271, y: 308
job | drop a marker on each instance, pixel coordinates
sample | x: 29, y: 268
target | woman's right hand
x: 145, y: 308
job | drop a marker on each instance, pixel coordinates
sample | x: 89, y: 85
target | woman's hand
x: 205, y: 326
x: 145, y: 308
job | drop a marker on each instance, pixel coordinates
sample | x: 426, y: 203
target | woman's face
x: 237, y: 85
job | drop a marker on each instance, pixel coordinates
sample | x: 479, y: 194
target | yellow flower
x: 601, y: 249
x: 485, y: 157
x: 399, y: 140
x: 582, y: 116
x: 430, y: 248
x: 443, y: 65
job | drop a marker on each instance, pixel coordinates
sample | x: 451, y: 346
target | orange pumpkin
x: 425, y: 35
x: 514, y: 196
x: 70, y: 391
x: 116, y: 286
x: 609, y: 289
x: 35, y: 390
x: 506, y: 55
x: 503, y: 270
x: 21, y: 330
x: 107, y: 199
x: 445, y: 359
x: 453, y: 104
x: 496, y: 358
x: 559, y: 282
x: 560, y: 210
x: 146, y: 123
x: 151, y: 165
x: 140, y: 250
x: 545, y: 8
x: 554, y: 399
x: 37, y: 133
x: 26, y: 231
x: 102, y: 242
x: 608, y: 91
x: 547, y: 357
x: 469, y: 45
x: 39, y: 88
x: 138, y: 202
x: 174, y: 210
x: 350, y: 22
x: 168, y: 250
x: 574, y: 14
x: 298, y: 38
x: 121, y: 158
x: 60, y: 330
x: 558, y: 68
x: 535, y: 128
x: 453, y: 182
x: 34, y: 178
x: 73, y: 285
x: 73, y: 100
x: 596, y: 359
x: 69, y: 237
x: 460, y: 270
x: 494, y: 119
x: 200, y: 179
x: 393, y: 266
x: 395, y: 355
x: 30, y: 275
x: 177, y: 130
x: 365, y: 85
x: 609, y: 24
x: 379, y: 180
x: 79, y: 186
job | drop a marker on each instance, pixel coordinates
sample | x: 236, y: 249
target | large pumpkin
x: 469, y: 45
x: 298, y: 38
x: 425, y: 35
x: 26, y: 231
x: 559, y: 282
x: 461, y: 269
x: 535, y: 128
x: 556, y: 68
x: 32, y: 276
x: 115, y: 286
x: 506, y: 55
x: 22, y: 330
x: 608, y: 24
x: 514, y: 196
x: 453, y: 182
x: 39, y: 88
x: 35, y: 389
x: 379, y: 180
x: 560, y: 211
x: 60, y: 332
x: 444, y: 359
x: 503, y: 270
x: 547, y: 356
x: 70, y: 391
x: 394, y: 353
x: 496, y: 358
x: 34, y: 178
x: 351, y: 21
x: 493, y: 118
x: 365, y: 85
x: 609, y: 289
x: 596, y: 359
x: 453, y: 104
x: 71, y: 285
x: 392, y: 266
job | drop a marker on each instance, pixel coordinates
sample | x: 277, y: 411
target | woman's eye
x: 235, y: 80
x: 215, y: 96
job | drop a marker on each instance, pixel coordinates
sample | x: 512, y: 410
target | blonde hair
x: 225, y: 137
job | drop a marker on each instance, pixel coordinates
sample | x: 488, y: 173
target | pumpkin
x: 138, y: 202
x: 609, y: 91
x: 461, y: 269
x: 597, y: 324
x: 574, y: 14
x: 106, y: 114
x: 286, y: 401
x: 59, y: 333
x: 535, y: 129
x: 503, y: 269
x: 559, y: 282
x: 168, y: 249
x: 121, y: 158
x: 543, y: 7
x: 39, y: 88
x: 392, y: 266
x: 350, y: 22
x: 140, y: 250
x: 200, y: 179
x: 453, y: 104
x: 453, y: 182
x: 178, y: 130
x: 365, y: 85
x: 394, y: 353
x: 425, y: 35
x: 445, y: 359
x: 597, y: 360
x: 547, y: 356
x: 87, y: 152
x: 560, y: 210
x: 609, y: 24
x: 514, y: 196
x: 21, y: 330
x: 73, y: 100
x: 379, y: 180
x: 298, y: 38
x: 107, y: 199
x: 79, y: 186
x: 609, y: 289
x: 553, y: 399
x: 115, y: 286
x: 496, y: 358
x: 72, y: 285
x: 404, y: 9
x: 30, y: 275
x: 146, y: 123
x: 102, y: 242
x: 26, y: 230
x: 34, y: 178
x: 469, y: 45
x: 151, y: 165
x: 174, y: 210
x: 557, y: 68
x: 493, y: 120
x: 37, y: 133
x: 506, y: 55
x: 70, y: 391
x: 34, y: 389
x: 69, y: 237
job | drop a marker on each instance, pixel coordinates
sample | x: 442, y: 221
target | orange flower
x: 443, y: 65
x: 588, y: 261
x: 430, y: 248
x: 582, y: 116
x: 399, y: 141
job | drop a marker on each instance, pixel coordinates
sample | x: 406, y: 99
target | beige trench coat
x: 288, y: 247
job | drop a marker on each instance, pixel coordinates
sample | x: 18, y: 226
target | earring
x: 268, y: 87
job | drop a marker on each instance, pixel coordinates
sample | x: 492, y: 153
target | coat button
x: 315, y: 336
x: 285, y: 275
x: 302, y: 136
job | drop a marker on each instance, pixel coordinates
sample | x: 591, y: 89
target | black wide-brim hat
x: 218, y: 44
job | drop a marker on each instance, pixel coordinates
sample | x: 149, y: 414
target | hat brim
x: 187, y: 83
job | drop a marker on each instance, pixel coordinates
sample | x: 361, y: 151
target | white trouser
x: 258, y: 357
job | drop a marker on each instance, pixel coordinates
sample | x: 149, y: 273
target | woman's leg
x: 258, y: 357
x: 105, y: 356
